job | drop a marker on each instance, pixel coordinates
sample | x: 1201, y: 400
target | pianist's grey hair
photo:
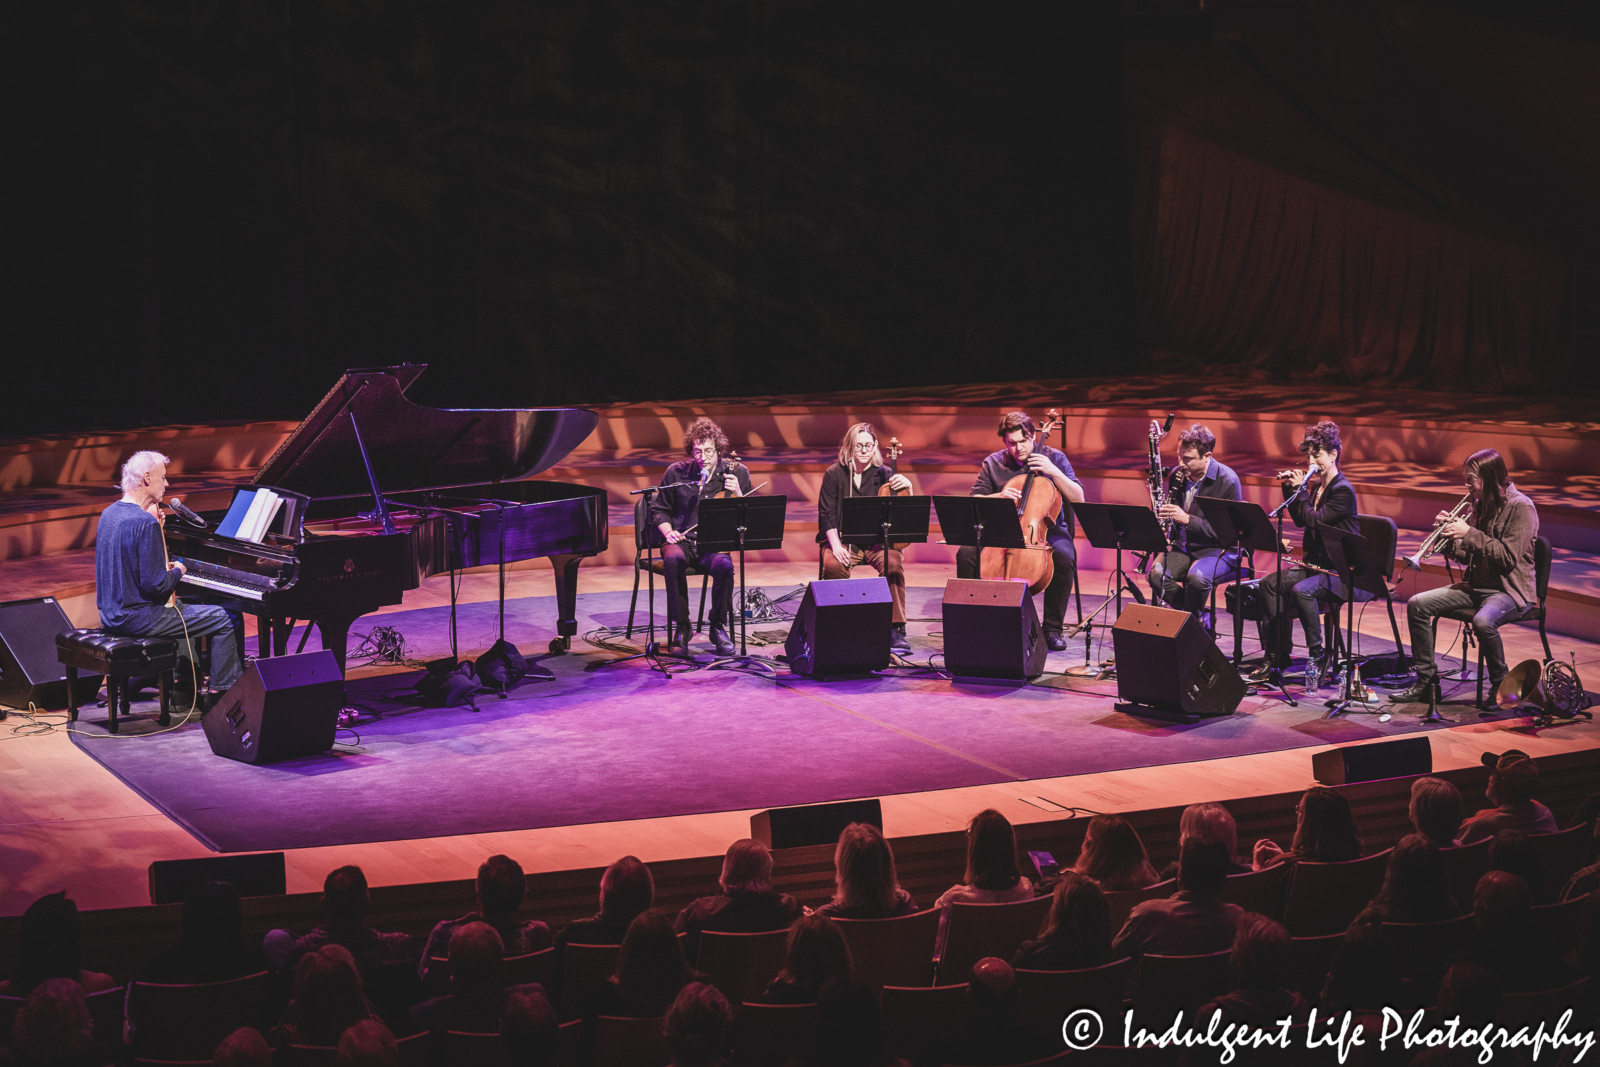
x: 139, y: 464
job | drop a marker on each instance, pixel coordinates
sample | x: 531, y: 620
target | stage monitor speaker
x: 841, y: 629
x: 1401, y: 757
x: 29, y: 670
x: 256, y: 874
x: 282, y: 707
x: 1169, y: 666
x: 812, y: 824
x: 991, y: 630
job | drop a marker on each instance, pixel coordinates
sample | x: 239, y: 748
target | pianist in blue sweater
x: 134, y: 582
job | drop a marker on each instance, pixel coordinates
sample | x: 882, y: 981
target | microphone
x: 186, y: 513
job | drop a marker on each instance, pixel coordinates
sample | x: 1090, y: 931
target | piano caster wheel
x: 560, y: 645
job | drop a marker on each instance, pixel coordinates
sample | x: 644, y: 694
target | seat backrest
x: 584, y: 968
x: 1257, y: 891
x: 1546, y: 1005
x: 1047, y: 997
x: 1165, y: 984
x: 530, y: 967
x: 463, y: 1047
x: 979, y: 930
x: 912, y: 1013
x: 1560, y: 853
x: 766, y: 1035
x: 645, y: 533
x: 178, y: 1022
x: 1553, y: 928
x: 1422, y: 951
x: 1541, y: 567
x: 629, y: 1043
x: 1325, y: 897
x: 1309, y: 960
x: 741, y: 965
x: 1382, y: 536
x: 1123, y: 901
x: 896, y: 951
x: 415, y: 1049
x: 1463, y: 866
x: 309, y: 1056
x: 569, y: 1044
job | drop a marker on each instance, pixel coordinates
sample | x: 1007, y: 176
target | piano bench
x: 120, y: 659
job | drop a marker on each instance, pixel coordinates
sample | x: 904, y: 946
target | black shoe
x: 674, y: 647
x: 1055, y: 641
x: 898, y: 639
x: 186, y: 702
x: 720, y: 642
x: 1417, y: 693
x: 1262, y: 673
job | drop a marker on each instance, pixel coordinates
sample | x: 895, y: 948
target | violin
x: 724, y: 468
x: 1038, y: 506
x: 890, y: 456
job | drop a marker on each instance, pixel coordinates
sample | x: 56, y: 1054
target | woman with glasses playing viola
x: 860, y: 472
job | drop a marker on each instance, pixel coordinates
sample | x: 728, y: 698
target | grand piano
x: 451, y: 494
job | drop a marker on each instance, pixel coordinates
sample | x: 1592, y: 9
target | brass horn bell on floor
x: 1523, y: 684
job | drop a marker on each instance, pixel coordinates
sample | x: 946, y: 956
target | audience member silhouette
x: 326, y: 1000
x: 1324, y: 832
x: 345, y: 902
x: 991, y: 876
x: 699, y: 1027
x: 626, y: 891
x: 1113, y: 855
x: 1076, y: 933
x: 1583, y: 961
x: 245, y: 1047
x: 1512, y: 852
x: 1261, y: 958
x: 993, y: 1033
x: 1415, y: 887
x: 212, y: 948
x: 816, y: 955
x: 49, y: 946
x: 1208, y: 822
x: 500, y: 887
x: 529, y: 1029
x: 1191, y: 922
x: 476, y: 1001
x: 650, y: 971
x: 52, y: 1028
x: 1505, y: 942
x: 1436, y: 810
x: 865, y: 884
x: 1469, y: 992
x: 1513, y: 780
x: 747, y: 903
x: 367, y: 1043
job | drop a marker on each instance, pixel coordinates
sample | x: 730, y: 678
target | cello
x: 1038, y: 507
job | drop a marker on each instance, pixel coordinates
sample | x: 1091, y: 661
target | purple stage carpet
x: 626, y: 743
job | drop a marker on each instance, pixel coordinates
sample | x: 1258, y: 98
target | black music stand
x: 868, y: 520
x: 1130, y: 527
x: 1351, y: 555
x: 1245, y: 527
x: 979, y: 522
x: 742, y: 523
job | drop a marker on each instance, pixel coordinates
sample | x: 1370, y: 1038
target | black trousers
x: 674, y: 565
x: 1057, y: 593
x: 1308, y: 592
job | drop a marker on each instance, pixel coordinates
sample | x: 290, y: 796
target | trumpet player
x: 1184, y: 577
x: 1494, y: 541
x: 1328, y: 504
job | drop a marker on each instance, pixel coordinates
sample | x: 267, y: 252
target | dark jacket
x: 1220, y: 483
x: 679, y: 503
x: 837, y: 484
x: 1336, y: 510
x: 903, y: 905
x: 1499, y: 553
x: 739, y: 913
x: 999, y: 468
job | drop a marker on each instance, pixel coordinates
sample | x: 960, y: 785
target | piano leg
x: 335, y: 632
x: 281, y: 629
x: 566, y: 568
x: 263, y: 637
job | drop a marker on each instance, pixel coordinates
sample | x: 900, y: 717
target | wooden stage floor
x: 67, y: 823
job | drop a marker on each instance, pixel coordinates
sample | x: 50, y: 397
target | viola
x: 1037, y: 507
x: 890, y: 463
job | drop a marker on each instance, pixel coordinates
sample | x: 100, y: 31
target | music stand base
x: 1336, y: 707
x: 745, y: 662
x: 1004, y: 683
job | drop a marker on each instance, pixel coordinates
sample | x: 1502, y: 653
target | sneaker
x: 1055, y: 641
x: 898, y: 639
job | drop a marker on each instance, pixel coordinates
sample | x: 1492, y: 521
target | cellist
x: 1019, y: 455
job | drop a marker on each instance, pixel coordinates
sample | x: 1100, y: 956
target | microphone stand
x: 1275, y: 671
x: 651, y: 651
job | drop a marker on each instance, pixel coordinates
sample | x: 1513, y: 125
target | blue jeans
x: 224, y: 627
x: 1488, y: 609
x: 1184, y: 579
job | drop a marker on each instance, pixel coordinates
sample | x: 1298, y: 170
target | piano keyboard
x: 225, y: 579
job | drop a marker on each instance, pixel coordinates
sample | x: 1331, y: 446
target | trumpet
x: 1431, y: 545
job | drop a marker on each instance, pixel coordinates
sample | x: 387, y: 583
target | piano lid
x: 416, y: 447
